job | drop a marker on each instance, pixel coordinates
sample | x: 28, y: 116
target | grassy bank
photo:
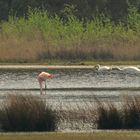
x: 103, y: 135
x: 41, y: 37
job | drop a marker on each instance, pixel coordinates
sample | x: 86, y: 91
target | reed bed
x: 102, y: 115
x: 30, y: 113
x: 26, y: 113
x: 124, y: 116
x: 40, y: 37
x: 80, y: 118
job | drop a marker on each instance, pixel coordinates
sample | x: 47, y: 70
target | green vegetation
x: 41, y: 37
x: 85, y: 9
x: 129, y: 135
x: 88, y: 30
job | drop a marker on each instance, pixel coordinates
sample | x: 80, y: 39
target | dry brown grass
x: 26, y: 113
x: 41, y: 37
x: 33, y: 48
x: 21, y: 49
x: 77, y: 117
x: 103, y: 135
x: 101, y: 115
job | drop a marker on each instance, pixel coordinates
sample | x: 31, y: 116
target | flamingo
x: 42, y: 77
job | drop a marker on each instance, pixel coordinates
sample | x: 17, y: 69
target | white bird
x: 128, y: 69
x: 116, y: 68
x: 131, y: 69
x: 102, y: 68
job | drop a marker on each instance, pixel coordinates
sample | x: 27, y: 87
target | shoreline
x: 14, y: 67
x: 45, y: 66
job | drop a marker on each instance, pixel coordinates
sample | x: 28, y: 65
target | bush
x: 26, y: 113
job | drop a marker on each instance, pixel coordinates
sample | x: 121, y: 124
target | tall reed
x: 125, y: 116
x: 26, y: 113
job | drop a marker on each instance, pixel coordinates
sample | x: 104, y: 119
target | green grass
x: 103, y: 135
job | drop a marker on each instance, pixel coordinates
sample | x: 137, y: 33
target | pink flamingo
x: 42, y: 77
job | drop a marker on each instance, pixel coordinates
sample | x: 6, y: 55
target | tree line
x: 82, y: 9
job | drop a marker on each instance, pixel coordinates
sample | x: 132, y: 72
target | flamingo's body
x: 42, y: 77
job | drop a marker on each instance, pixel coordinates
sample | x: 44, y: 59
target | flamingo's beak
x: 51, y: 76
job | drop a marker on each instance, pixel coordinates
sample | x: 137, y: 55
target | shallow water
x: 65, y: 78
x: 70, y: 81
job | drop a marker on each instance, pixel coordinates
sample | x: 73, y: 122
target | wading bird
x: 127, y: 69
x: 131, y: 69
x: 42, y: 77
x: 102, y: 68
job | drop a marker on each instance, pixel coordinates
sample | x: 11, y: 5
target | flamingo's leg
x: 45, y: 87
x: 40, y: 83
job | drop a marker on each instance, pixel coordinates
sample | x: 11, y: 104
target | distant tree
x: 117, y: 9
x: 83, y: 9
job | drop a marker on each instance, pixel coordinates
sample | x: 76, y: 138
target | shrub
x: 26, y: 113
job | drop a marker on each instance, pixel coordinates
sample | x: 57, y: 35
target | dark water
x: 77, y: 85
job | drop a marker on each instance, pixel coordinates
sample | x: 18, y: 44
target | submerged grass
x: 41, y: 37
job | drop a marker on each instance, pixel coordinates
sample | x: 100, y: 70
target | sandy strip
x: 45, y: 67
x: 30, y: 67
